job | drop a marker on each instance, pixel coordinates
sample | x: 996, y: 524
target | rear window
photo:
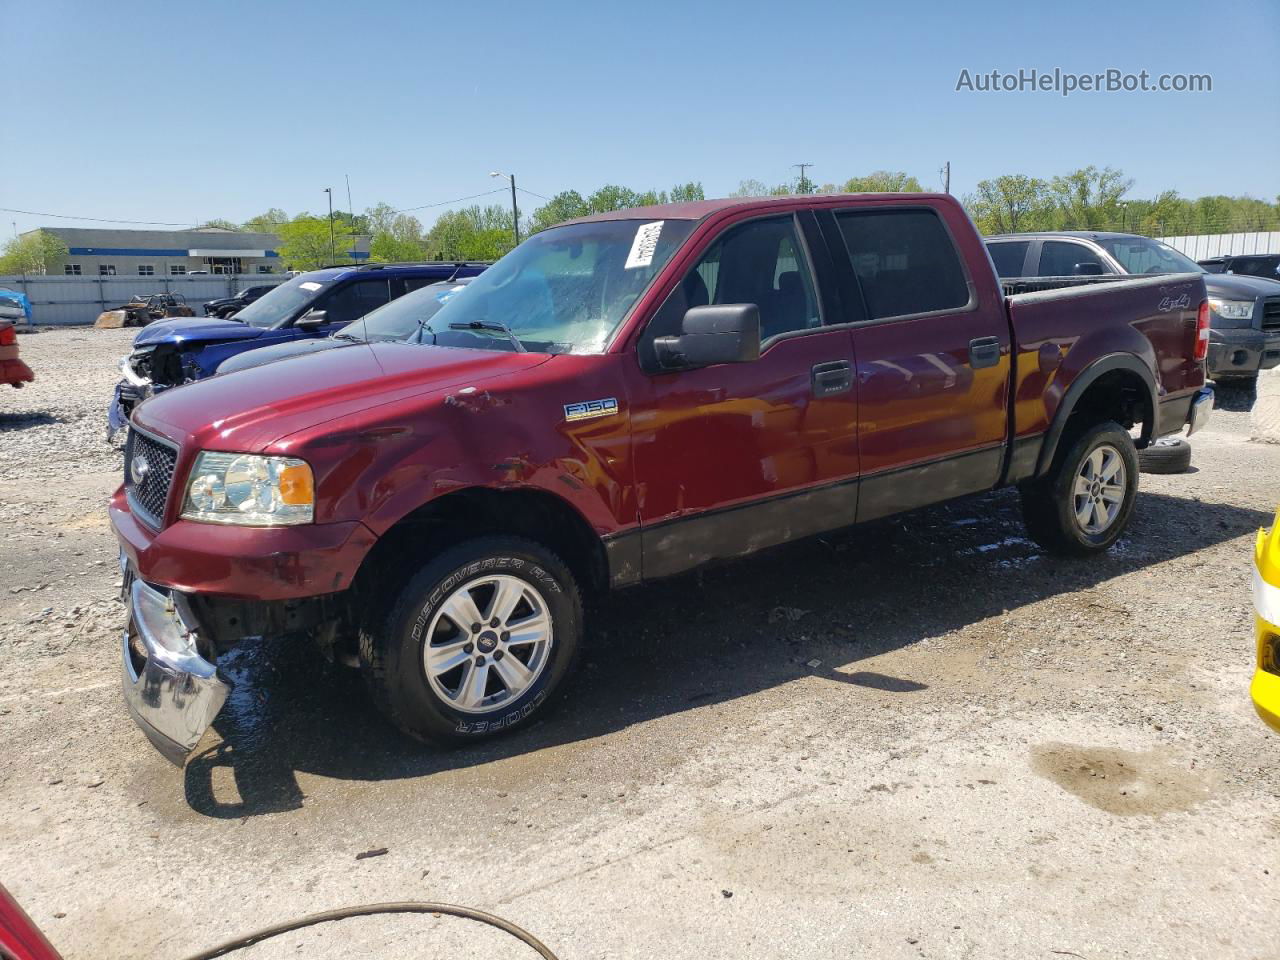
x: 1009, y: 257
x: 905, y: 262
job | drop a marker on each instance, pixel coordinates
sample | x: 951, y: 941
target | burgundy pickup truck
x: 623, y: 398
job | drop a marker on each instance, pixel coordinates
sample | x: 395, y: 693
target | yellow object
x: 1265, y: 688
x: 296, y: 485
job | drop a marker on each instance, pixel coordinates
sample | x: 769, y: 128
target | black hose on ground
x: 344, y: 913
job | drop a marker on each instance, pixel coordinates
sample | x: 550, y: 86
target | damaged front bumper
x: 171, y: 691
x: 130, y: 391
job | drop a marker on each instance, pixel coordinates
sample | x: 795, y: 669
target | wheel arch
x: 1119, y: 383
x: 524, y: 511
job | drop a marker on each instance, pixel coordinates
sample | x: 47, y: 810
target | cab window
x: 1061, y: 258
x: 353, y: 300
x: 760, y: 262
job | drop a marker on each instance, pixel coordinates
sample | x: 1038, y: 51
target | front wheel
x: 1083, y: 504
x: 477, y: 643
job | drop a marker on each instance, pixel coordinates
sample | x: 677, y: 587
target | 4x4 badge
x: 591, y: 408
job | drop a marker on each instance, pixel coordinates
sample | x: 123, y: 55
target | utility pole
x: 946, y: 177
x: 515, y: 212
x: 804, y: 185
x: 332, y: 255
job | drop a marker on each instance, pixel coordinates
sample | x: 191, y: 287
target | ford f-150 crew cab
x: 622, y: 398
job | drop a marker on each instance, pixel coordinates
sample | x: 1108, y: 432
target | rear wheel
x: 477, y: 643
x: 1084, y: 503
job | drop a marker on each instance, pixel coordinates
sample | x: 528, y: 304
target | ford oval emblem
x: 139, y: 468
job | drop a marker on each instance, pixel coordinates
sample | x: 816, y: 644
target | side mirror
x: 725, y: 333
x: 1087, y: 270
x: 311, y: 320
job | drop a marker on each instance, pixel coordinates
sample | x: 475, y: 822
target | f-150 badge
x: 591, y: 408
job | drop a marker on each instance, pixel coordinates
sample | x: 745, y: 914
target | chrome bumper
x: 1201, y: 408
x: 172, y: 692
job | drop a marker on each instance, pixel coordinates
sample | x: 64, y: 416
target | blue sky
x: 181, y: 111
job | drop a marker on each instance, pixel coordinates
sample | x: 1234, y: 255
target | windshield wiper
x: 496, y: 325
x: 347, y: 336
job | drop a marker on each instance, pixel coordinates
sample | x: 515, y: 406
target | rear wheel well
x: 1120, y: 395
x: 478, y: 512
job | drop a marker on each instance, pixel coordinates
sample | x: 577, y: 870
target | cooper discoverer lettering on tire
x: 476, y: 643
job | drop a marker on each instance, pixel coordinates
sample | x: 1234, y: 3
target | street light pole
x: 515, y: 211
x: 332, y: 254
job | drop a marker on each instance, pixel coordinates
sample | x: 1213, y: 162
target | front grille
x: 148, y: 474
x: 1271, y: 313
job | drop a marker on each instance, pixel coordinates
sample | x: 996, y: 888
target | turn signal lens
x: 1202, y: 333
x: 296, y: 485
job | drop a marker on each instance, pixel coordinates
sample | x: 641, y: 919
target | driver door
x: 735, y: 457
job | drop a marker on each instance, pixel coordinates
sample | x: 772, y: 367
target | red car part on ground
x: 12, y: 370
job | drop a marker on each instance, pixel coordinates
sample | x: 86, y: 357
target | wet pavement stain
x: 1121, y: 782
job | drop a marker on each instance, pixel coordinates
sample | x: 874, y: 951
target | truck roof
x: 698, y: 209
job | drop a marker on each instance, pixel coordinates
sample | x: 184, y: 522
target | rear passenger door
x: 932, y: 363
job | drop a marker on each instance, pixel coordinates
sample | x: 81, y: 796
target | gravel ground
x: 922, y: 739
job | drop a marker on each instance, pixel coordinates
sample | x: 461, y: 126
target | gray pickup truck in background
x: 1244, y: 335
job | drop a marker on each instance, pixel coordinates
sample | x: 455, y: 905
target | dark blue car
x: 169, y: 353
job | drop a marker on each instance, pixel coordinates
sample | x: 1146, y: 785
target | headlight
x: 246, y: 489
x: 1232, y: 309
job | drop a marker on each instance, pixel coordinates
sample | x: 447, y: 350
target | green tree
x: 686, y: 192
x: 221, y: 223
x: 565, y: 205
x: 613, y: 197
x: 394, y: 236
x: 1010, y: 203
x: 268, y: 222
x: 883, y: 181
x: 472, y: 233
x: 305, y: 243
x: 33, y: 252
x: 1089, y: 198
x: 757, y: 188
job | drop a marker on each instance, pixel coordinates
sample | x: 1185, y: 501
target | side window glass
x: 1059, y: 258
x: 759, y: 262
x: 354, y: 300
x: 1009, y: 257
x: 905, y: 262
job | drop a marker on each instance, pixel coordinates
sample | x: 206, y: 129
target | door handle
x: 829, y: 379
x: 984, y: 352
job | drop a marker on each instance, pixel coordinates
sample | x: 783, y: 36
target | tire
x: 1051, y: 506
x: 519, y: 680
x: 1166, y: 455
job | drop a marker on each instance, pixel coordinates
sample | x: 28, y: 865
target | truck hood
x: 181, y: 330
x: 1239, y: 286
x: 251, y: 409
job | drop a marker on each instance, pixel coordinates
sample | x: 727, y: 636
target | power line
x: 532, y: 194
x: 67, y: 216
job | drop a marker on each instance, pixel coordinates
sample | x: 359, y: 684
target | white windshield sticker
x: 310, y: 285
x: 643, y: 246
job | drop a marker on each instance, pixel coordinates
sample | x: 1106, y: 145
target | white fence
x: 72, y: 300
x: 1218, y: 244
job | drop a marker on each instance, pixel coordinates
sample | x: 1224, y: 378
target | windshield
x: 1144, y: 255
x: 283, y: 302
x: 405, y: 318
x: 564, y: 290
